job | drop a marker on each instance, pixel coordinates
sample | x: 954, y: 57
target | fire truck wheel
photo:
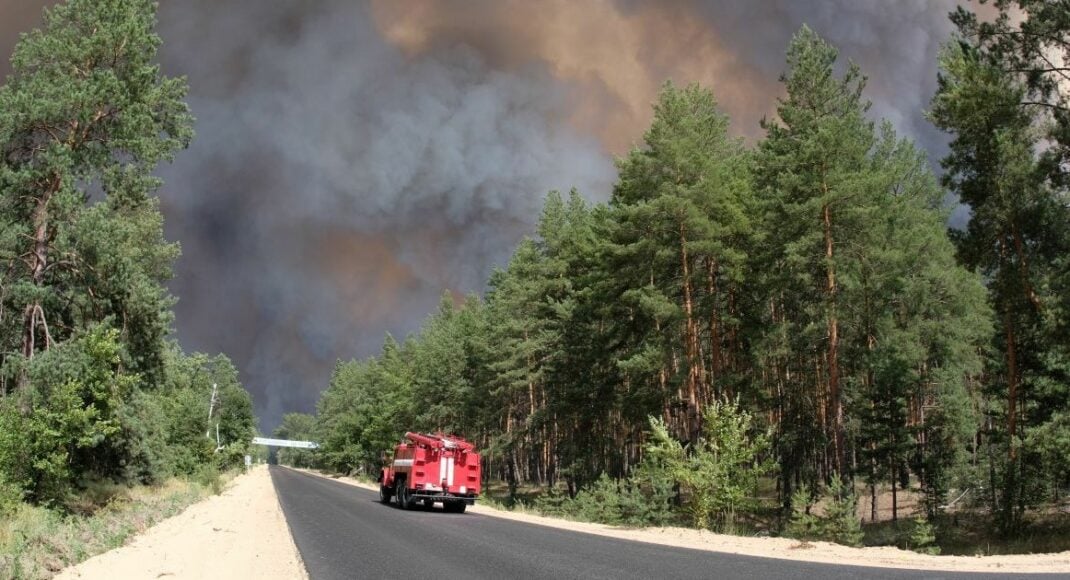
x: 404, y: 499
x: 385, y: 493
x: 454, y: 507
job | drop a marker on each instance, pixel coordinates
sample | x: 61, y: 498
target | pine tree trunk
x: 663, y: 377
x: 34, y: 314
x: 835, y: 398
x: 895, y: 499
x: 38, y: 262
x: 733, y: 357
x: 694, y: 364
x: 1023, y: 267
x: 1012, y: 382
x: 873, y: 501
x: 715, y: 331
x: 512, y: 468
x: 1012, y: 362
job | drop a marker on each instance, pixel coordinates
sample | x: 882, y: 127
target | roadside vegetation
x: 37, y: 542
x: 105, y: 424
x: 781, y: 337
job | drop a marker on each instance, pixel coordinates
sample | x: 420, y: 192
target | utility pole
x: 211, y: 409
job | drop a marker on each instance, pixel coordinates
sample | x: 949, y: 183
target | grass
x: 973, y: 534
x: 37, y: 542
x: 496, y: 492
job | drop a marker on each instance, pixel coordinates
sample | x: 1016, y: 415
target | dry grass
x: 38, y: 542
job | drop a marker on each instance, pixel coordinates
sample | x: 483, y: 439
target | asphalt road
x: 344, y: 532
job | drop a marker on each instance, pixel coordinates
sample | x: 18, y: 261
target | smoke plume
x: 339, y: 187
x: 354, y: 161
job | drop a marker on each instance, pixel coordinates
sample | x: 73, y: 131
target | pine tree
x: 688, y: 190
x: 860, y: 280
x: 812, y: 170
x: 998, y: 97
x: 85, y: 115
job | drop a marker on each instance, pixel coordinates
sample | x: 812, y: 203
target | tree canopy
x: 90, y: 386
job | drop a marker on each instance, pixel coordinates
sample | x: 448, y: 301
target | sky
x: 354, y: 161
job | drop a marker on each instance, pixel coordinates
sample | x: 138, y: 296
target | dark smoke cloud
x: 353, y: 161
x: 337, y: 187
x: 620, y: 51
x: 895, y: 42
x: 16, y: 16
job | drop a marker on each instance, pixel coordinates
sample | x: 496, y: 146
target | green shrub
x: 59, y: 430
x: 921, y: 537
x: 720, y: 474
x: 600, y: 502
x: 208, y: 476
x: 641, y: 500
x: 143, y: 440
x: 841, y: 516
x: 648, y: 500
x: 10, y: 496
x: 839, y: 523
x: 804, y: 524
x: 553, y: 503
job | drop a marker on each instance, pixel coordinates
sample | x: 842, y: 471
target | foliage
x: 645, y: 499
x: 810, y: 279
x: 85, y: 119
x: 11, y: 496
x: 36, y: 542
x: 999, y: 99
x: 601, y: 501
x: 720, y: 474
x: 190, y: 432
x: 922, y: 537
x: 299, y: 427
x: 804, y: 523
x: 841, y: 523
x: 74, y: 404
x: 838, y: 523
x: 90, y: 389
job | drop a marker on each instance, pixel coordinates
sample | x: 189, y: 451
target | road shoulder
x: 240, y: 533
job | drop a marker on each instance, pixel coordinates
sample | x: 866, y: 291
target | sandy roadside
x: 240, y: 533
x: 788, y: 549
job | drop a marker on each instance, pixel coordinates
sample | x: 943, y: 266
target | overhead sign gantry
x: 285, y: 443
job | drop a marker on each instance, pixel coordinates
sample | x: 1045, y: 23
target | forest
x: 94, y: 391
x: 746, y: 334
x: 793, y: 316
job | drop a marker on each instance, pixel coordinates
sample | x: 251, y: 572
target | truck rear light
x: 464, y: 489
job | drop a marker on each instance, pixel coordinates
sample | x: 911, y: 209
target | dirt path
x: 240, y: 533
x: 790, y: 549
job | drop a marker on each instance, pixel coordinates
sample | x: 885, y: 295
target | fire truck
x: 431, y: 468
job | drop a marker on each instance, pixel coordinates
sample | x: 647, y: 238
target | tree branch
x: 1043, y: 104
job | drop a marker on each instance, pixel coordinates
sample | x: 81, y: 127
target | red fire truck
x: 432, y: 468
